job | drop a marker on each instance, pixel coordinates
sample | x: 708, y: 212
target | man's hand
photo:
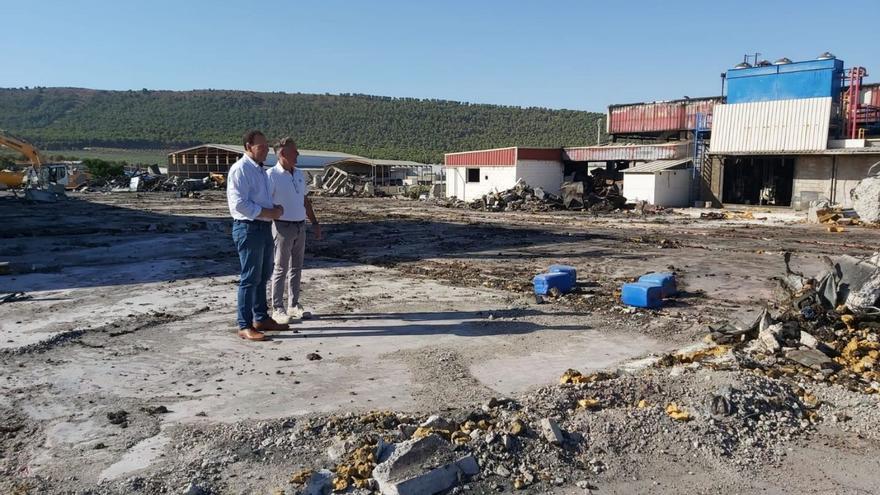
x: 273, y: 213
x: 316, y: 228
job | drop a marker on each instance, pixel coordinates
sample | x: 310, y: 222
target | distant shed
x: 196, y: 162
x: 471, y: 174
x: 660, y: 183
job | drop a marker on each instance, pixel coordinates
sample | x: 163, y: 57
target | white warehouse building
x: 472, y: 174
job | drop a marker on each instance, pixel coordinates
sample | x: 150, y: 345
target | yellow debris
x: 642, y: 404
x: 575, y: 376
x: 301, y: 477
x: 849, y: 321
x: 518, y: 483
x: 701, y: 354
x: 836, y: 229
x: 460, y: 438
x: 423, y: 431
x: 340, y: 484
x: 588, y: 403
x: 517, y: 427
x: 677, y: 413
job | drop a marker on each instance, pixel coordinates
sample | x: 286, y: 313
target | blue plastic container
x: 570, y: 270
x: 546, y: 281
x: 641, y: 295
x: 666, y: 281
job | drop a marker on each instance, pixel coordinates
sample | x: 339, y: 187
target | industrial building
x: 471, y: 174
x: 786, y: 134
x: 198, y: 161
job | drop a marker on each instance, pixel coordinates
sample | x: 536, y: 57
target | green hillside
x: 375, y: 126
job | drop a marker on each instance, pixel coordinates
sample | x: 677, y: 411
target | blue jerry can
x: 546, y: 281
x: 570, y: 270
x: 666, y: 281
x: 641, y: 295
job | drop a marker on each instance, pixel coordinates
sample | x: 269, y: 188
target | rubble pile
x: 866, y: 198
x: 833, y: 216
x: 144, y: 182
x: 597, y: 193
x: 574, y: 433
x: 827, y: 330
x: 573, y: 196
x: 338, y: 182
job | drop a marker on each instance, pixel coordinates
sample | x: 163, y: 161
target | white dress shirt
x: 247, y: 190
x: 288, y: 190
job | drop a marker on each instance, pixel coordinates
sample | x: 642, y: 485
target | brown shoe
x: 270, y: 325
x: 251, y: 334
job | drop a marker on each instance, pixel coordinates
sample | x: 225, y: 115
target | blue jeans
x: 255, y: 250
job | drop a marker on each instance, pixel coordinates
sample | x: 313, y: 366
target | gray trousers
x: 290, y: 248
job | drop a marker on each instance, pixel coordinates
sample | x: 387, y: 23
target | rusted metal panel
x: 660, y: 116
x: 502, y: 157
x: 549, y: 154
x: 632, y: 152
x: 780, y: 126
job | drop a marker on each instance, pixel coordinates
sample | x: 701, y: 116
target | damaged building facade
x: 785, y: 134
x: 792, y: 133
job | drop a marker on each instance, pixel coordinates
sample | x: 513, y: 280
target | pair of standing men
x: 269, y: 210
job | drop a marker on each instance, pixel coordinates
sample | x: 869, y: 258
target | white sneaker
x: 299, y: 312
x: 280, y: 317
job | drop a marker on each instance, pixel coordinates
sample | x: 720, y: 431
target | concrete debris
x: 522, y: 197
x: 15, y: 297
x: 319, y: 483
x: 866, y: 199
x: 147, y: 182
x: 810, y: 358
x: 422, y: 466
x: 551, y: 431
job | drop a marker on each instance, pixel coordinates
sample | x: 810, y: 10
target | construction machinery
x: 40, y: 181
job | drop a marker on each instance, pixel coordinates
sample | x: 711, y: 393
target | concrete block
x: 551, y: 431
x: 321, y: 483
x: 422, y: 466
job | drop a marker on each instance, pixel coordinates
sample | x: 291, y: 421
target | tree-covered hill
x: 374, y: 126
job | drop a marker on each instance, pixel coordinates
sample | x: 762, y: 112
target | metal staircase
x: 701, y: 160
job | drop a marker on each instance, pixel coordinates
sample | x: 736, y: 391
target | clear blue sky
x: 559, y: 54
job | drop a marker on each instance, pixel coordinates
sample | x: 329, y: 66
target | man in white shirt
x: 288, y: 188
x: 252, y: 210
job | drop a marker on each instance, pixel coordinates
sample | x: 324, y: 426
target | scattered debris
x: 15, y: 297
x: 313, y: 356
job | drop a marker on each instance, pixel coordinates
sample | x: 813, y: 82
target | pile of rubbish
x: 597, y: 192
x: 146, y: 182
x: 828, y: 328
x: 866, y: 196
x: 581, y: 195
x: 833, y: 216
x: 338, y: 182
x: 865, y: 200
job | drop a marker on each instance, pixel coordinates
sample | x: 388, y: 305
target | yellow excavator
x: 39, y: 180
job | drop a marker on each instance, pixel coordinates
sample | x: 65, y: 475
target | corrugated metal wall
x: 679, y: 115
x: 646, y: 152
x: 553, y: 154
x: 781, y: 126
x: 500, y: 157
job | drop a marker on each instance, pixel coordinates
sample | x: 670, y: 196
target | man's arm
x: 310, y: 212
x: 243, y: 205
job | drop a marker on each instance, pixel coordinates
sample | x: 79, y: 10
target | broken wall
x: 830, y: 177
x: 850, y: 170
x: 812, y: 179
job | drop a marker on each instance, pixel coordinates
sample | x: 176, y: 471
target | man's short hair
x: 251, y: 136
x: 284, y: 142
